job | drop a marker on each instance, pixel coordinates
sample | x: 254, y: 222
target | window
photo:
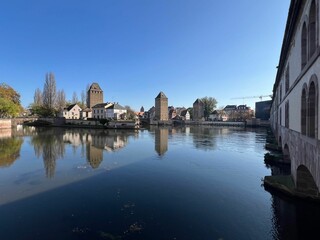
x: 280, y: 92
x: 280, y: 119
x: 287, y: 79
x: 286, y: 123
x: 312, y: 110
x: 303, y: 46
x: 312, y: 29
x: 304, y: 112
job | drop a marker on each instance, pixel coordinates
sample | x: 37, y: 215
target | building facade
x: 198, y: 110
x: 295, y: 104
x: 161, y: 107
x: 94, y: 95
x: 109, y: 111
x: 71, y: 112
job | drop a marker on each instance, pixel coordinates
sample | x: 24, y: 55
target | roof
x: 161, y: 95
x: 231, y: 107
x: 198, y: 101
x: 101, y: 105
x: 116, y: 106
x: 70, y: 107
x: 95, y: 86
x: 184, y: 112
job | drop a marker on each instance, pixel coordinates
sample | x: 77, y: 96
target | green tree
x: 210, y: 103
x: 9, y: 101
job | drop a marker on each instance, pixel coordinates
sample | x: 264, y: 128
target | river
x: 159, y: 183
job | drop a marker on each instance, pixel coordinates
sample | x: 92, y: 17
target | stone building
x: 294, y: 112
x: 161, y: 107
x: 95, y: 95
x: 198, y: 110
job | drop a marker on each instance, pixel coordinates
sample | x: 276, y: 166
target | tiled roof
x: 95, y: 86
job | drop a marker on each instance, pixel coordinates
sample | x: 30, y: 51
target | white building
x: 295, y: 107
x: 108, y: 111
x: 71, y: 112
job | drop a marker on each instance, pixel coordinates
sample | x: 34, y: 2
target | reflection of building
x: 94, y: 156
x: 161, y: 140
x: 161, y: 107
x: 95, y: 95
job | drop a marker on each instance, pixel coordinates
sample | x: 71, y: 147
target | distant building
x: 185, y: 115
x: 108, y: 111
x: 263, y: 110
x: 71, y: 112
x: 95, y: 95
x: 198, y: 110
x: 172, y: 113
x: 142, y: 109
x: 218, y: 115
x: 161, y: 107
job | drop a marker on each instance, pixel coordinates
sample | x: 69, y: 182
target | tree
x: 37, y: 97
x: 209, y: 104
x: 83, y: 99
x: 9, y: 101
x: 61, y: 100
x: 74, y: 98
x: 49, y: 93
x: 130, y: 113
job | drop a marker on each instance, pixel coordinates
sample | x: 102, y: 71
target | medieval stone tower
x: 95, y: 95
x: 161, y: 107
x: 198, y: 110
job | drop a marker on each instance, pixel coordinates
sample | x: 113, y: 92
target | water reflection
x: 161, y: 140
x: 9, y: 147
x: 51, y: 143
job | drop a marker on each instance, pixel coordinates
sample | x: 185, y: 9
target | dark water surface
x: 162, y: 183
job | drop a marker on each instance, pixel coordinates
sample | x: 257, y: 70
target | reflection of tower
x: 95, y: 95
x: 94, y: 156
x: 161, y: 107
x: 161, y: 140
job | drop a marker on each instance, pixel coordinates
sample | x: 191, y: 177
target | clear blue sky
x: 136, y: 48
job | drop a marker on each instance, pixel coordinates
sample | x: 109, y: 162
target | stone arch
x: 304, y: 109
x: 305, y: 182
x: 312, y: 111
x: 312, y: 30
x: 286, y: 154
x: 304, y: 45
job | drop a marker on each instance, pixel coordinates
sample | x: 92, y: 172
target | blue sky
x: 136, y: 48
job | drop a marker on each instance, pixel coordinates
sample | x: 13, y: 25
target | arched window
x: 312, y: 29
x: 312, y: 110
x: 287, y: 114
x: 304, y: 112
x: 304, y: 46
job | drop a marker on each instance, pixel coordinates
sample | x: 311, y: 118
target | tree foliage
x: 130, y: 113
x: 9, y: 101
x: 210, y: 103
x: 49, y: 92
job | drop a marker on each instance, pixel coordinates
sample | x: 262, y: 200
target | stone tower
x: 161, y: 105
x: 95, y: 95
x: 198, y: 110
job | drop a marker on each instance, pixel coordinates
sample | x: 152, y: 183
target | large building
x: 161, y: 107
x: 198, y: 110
x: 94, y: 95
x: 295, y: 103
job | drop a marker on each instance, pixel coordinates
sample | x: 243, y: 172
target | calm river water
x: 162, y: 183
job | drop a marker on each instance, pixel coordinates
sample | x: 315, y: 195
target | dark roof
x: 161, y: 95
x: 215, y: 112
x: 95, y: 86
x: 71, y: 106
x: 198, y: 101
x: 116, y: 106
x: 184, y: 112
x: 231, y: 107
x: 100, y: 105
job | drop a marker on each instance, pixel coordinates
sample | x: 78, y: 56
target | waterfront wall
x: 302, y: 151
